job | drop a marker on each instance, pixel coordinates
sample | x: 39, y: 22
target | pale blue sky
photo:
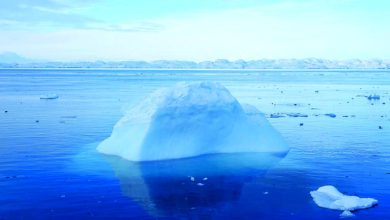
x: 195, y: 29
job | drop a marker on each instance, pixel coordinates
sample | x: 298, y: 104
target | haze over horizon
x: 193, y: 30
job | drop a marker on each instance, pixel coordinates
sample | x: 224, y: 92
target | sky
x: 70, y: 30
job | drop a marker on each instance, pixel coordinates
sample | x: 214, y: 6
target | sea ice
x: 191, y: 120
x: 329, y: 197
x: 296, y: 115
x: 332, y: 115
x: 293, y: 115
x: 277, y: 115
x: 49, y: 96
x: 373, y: 97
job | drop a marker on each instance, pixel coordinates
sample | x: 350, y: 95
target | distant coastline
x: 15, y: 61
x: 177, y: 69
x: 265, y: 64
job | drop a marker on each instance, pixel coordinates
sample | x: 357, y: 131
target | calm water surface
x: 49, y: 168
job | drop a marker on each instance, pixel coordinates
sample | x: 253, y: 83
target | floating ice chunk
x: 277, y: 115
x: 329, y: 197
x: 293, y: 115
x: 373, y: 97
x: 191, y: 120
x: 49, y: 96
x: 296, y: 115
x: 346, y: 214
x: 332, y: 115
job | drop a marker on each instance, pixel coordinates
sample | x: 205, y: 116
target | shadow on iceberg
x: 180, y: 187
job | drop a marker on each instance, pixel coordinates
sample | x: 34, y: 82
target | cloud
x: 55, y: 15
x: 128, y: 27
x: 292, y: 29
x: 28, y: 15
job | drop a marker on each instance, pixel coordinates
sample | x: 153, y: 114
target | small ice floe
x: 265, y: 193
x: 373, y: 97
x: 49, y: 96
x: 192, y: 178
x: 204, y: 179
x: 329, y: 197
x: 296, y: 115
x: 293, y: 115
x: 346, y: 214
x: 291, y: 104
x: 277, y: 115
x: 200, y: 184
x: 331, y: 115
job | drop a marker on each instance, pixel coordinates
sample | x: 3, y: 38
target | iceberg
x: 329, y: 197
x: 191, y: 119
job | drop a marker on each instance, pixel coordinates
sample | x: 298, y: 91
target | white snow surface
x: 329, y: 197
x: 191, y: 119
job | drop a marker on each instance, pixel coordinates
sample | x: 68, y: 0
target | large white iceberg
x: 329, y: 197
x: 191, y: 119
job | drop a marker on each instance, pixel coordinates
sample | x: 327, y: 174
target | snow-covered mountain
x: 12, y: 60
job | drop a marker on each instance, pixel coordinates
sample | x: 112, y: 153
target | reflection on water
x: 43, y: 177
x: 178, y: 187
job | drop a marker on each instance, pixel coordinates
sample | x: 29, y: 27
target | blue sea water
x: 49, y: 168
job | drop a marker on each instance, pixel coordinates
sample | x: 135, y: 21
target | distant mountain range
x: 12, y: 60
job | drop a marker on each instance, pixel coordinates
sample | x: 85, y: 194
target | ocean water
x: 49, y: 168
